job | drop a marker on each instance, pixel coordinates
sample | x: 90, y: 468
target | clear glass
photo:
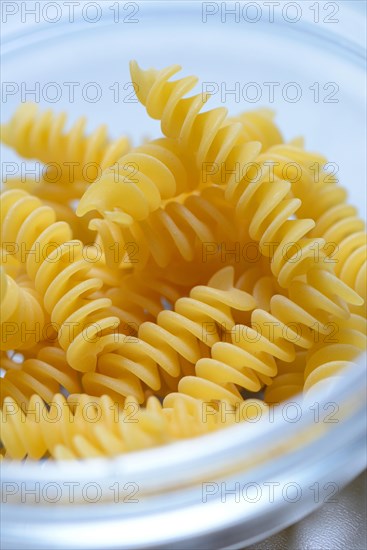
x: 181, y: 501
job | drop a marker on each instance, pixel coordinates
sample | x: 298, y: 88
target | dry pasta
x: 44, y: 375
x: 42, y: 136
x: 209, y: 135
x: 175, y: 336
x: 22, y: 315
x: 258, y: 125
x: 255, y: 197
x: 91, y: 427
x: 138, y: 183
x: 170, y: 232
x: 59, y: 270
x: 149, y: 264
x: 288, y: 382
x: 325, y: 361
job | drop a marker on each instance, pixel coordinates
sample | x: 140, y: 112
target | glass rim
x: 226, y: 444
x: 337, y: 35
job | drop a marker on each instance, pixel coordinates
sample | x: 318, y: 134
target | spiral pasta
x: 322, y: 364
x: 326, y: 362
x: 249, y: 360
x: 171, y: 232
x: 70, y: 153
x: 336, y: 221
x: 288, y: 382
x: 258, y: 125
x: 50, y: 195
x: 194, y: 277
x: 44, y: 374
x: 83, y: 426
x: 176, y: 336
x: 262, y: 199
x: 60, y: 272
x: 137, y: 299
x: 138, y: 183
x: 265, y: 201
x: 210, y: 135
x: 22, y: 316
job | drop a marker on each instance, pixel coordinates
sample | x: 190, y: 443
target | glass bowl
x: 240, y: 485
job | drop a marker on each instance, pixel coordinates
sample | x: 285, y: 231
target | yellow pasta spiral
x: 51, y: 195
x: 139, y: 298
x: 302, y: 313
x: 285, y: 240
x: 222, y: 411
x: 177, y: 336
x: 171, y: 232
x: 322, y: 364
x: 82, y: 426
x: 342, y: 227
x: 22, y: 317
x: 137, y: 428
x: 258, y: 125
x: 249, y: 360
x: 60, y: 273
x: 326, y: 362
x: 305, y: 170
x: 210, y: 135
x: 262, y: 199
x: 9, y: 263
x: 190, y: 274
x: 44, y: 375
x: 33, y: 435
x: 138, y: 183
x: 288, y: 382
x: 338, y: 224
x: 42, y: 136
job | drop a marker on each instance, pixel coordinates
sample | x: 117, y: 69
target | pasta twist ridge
x: 297, y: 313
x: 51, y: 196
x: 22, y: 317
x: 209, y: 134
x: 42, y: 136
x: 60, y: 273
x: 268, y: 203
x: 112, y: 277
x: 327, y: 362
x: 138, y: 298
x: 322, y: 364
x: 136, y: 428
x: 343, y: 231
x: 139, y: 182
x: 44, y: 375
x: 34, y: 435
x: 249, y: 360
x: 303, y: 311
x: 259, y: 125
x: 82, y: 426
x: 177, y: 336
x: 264, y: 200
x: 172, y: 232
x: 336, y: 222
x: 288, y: 382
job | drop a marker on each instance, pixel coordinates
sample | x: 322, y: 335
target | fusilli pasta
x: 141, y: 286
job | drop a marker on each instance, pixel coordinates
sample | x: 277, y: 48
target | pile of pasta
x: 215, y: 268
